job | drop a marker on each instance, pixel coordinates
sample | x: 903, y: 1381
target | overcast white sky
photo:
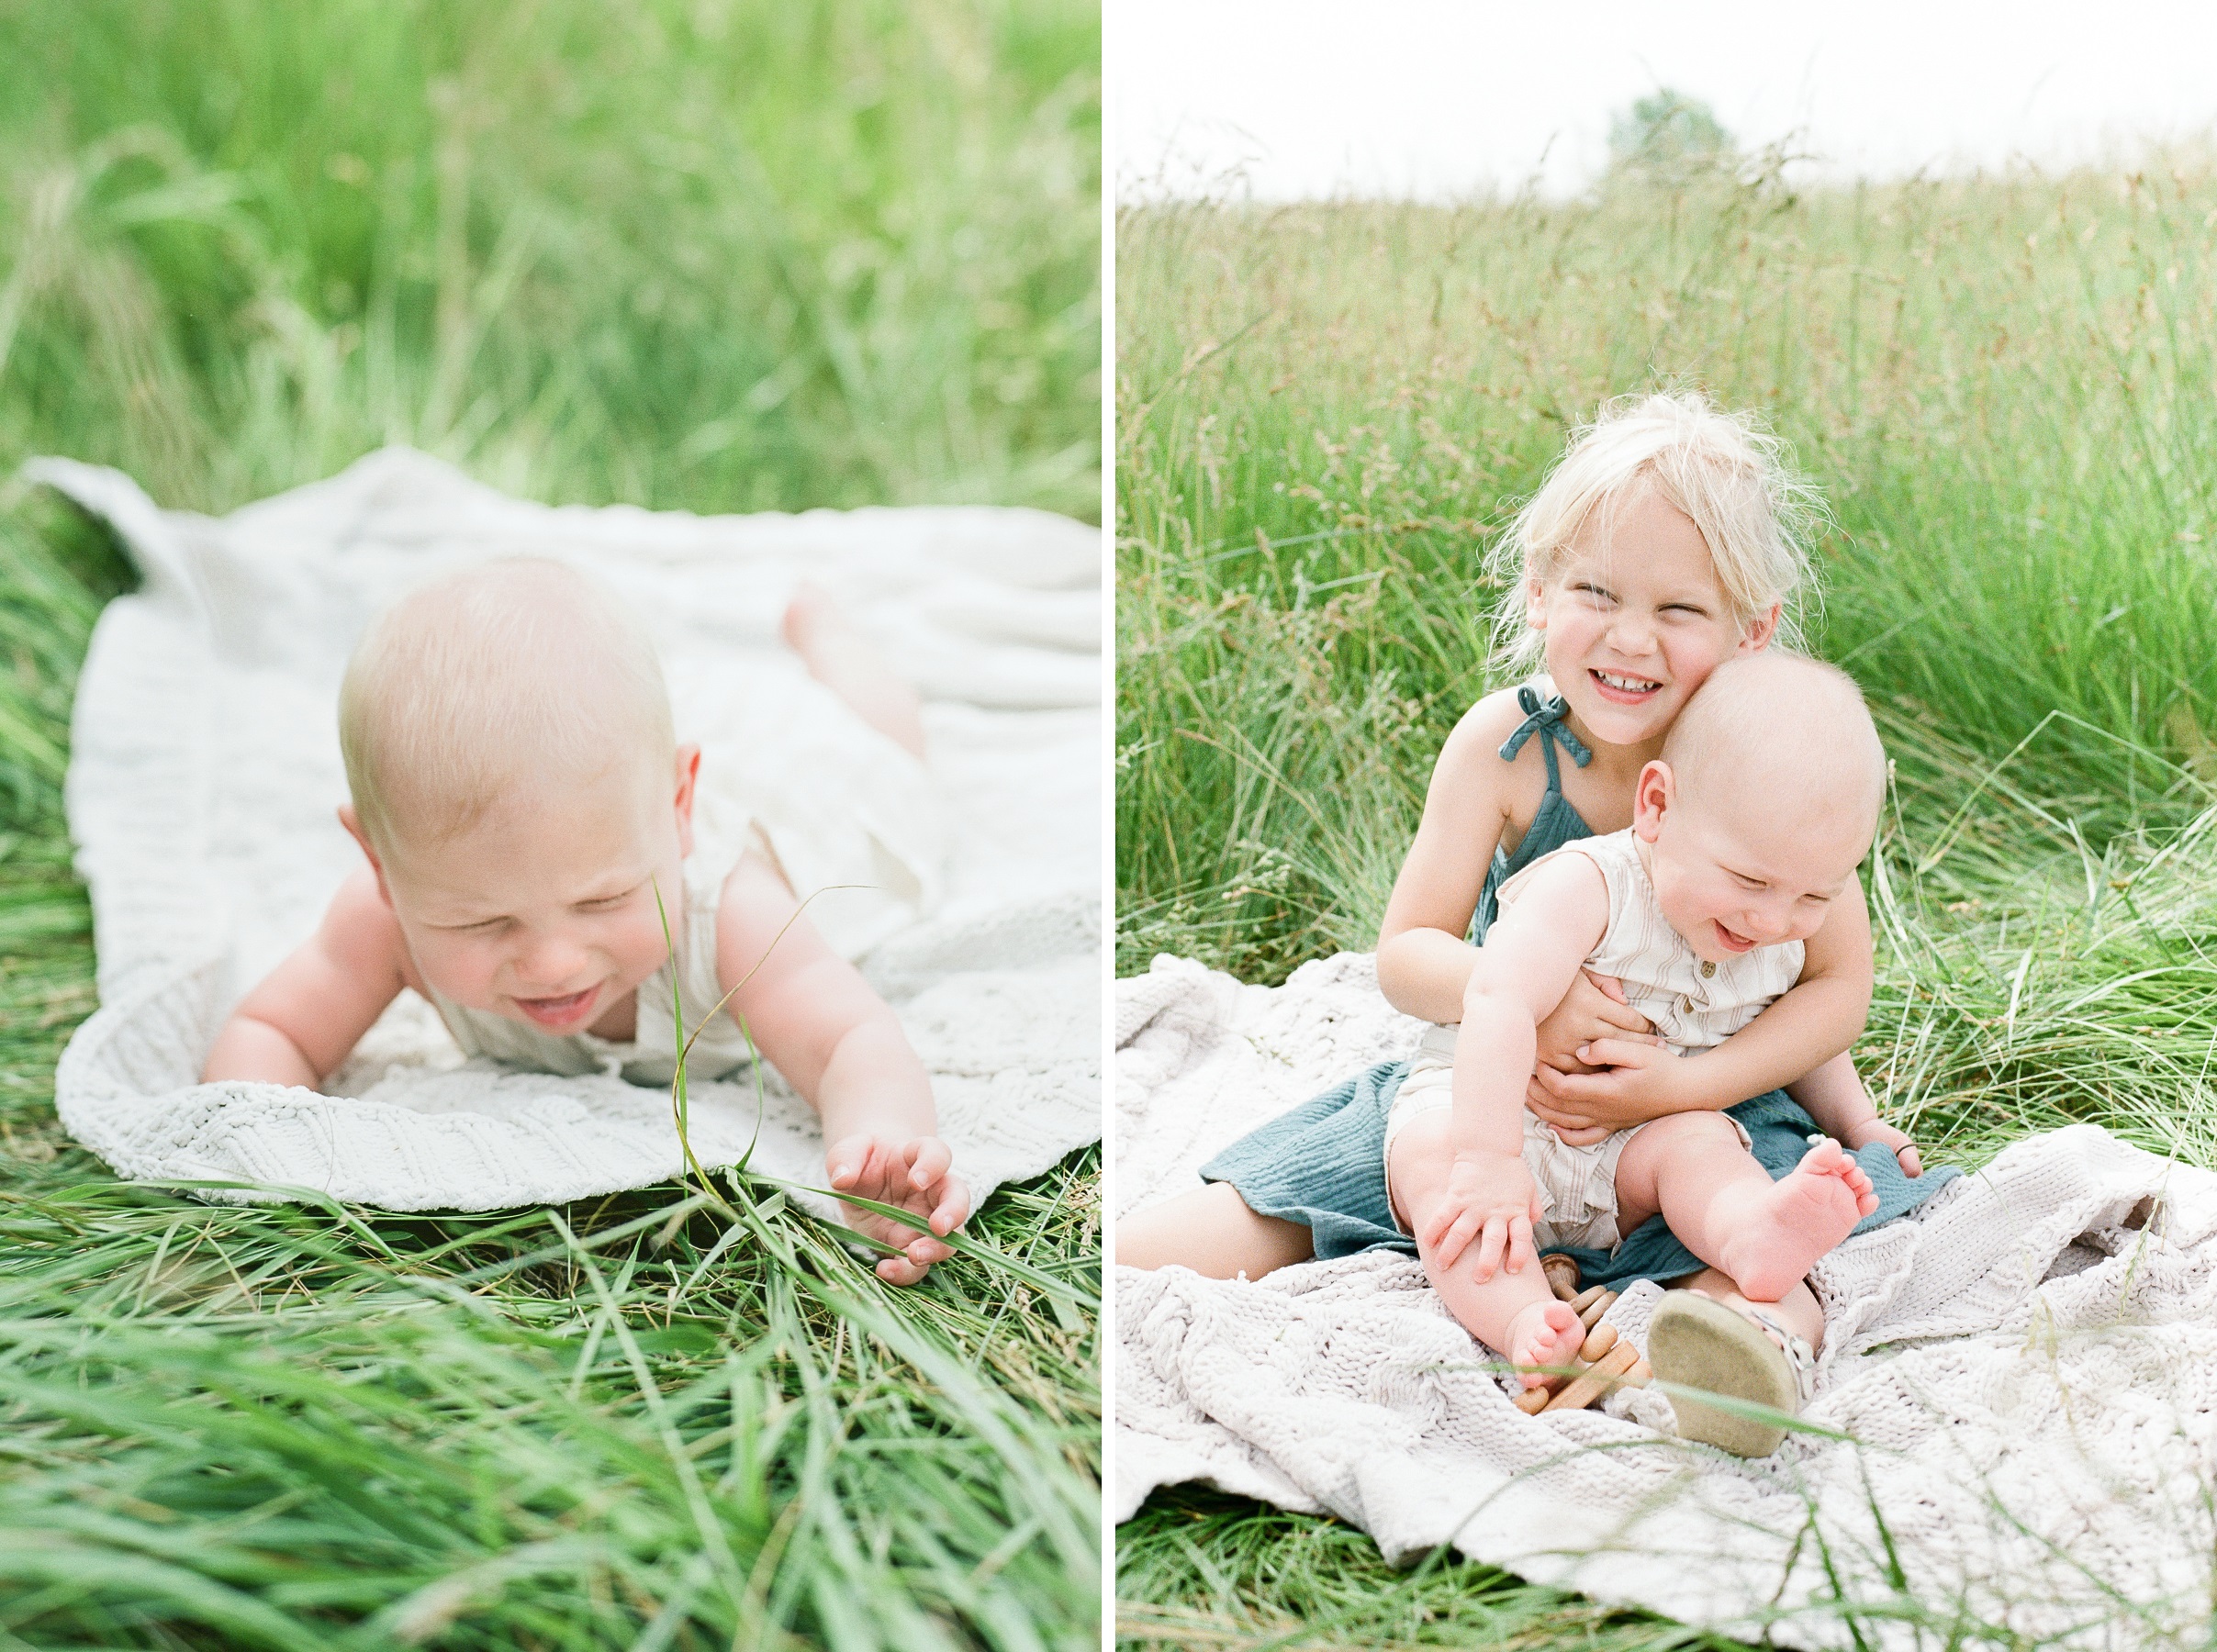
x: 1446, y: 97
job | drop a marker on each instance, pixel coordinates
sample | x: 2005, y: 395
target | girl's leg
x: 1514, y: 1313
x: 1725, y: 1207
x: 1211, y: 1232
x: 838, y: 656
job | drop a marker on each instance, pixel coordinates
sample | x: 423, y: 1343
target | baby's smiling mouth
x: 1623, y: 689
x: 559, y: 1013
x: 1733, y: 942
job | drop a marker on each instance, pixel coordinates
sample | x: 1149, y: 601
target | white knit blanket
x: 2028, y: 1374
x: 205, y: 770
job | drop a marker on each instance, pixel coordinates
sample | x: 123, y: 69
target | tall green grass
x: 2001, y: 386
x: 707, y: 256
x: 722, y: 255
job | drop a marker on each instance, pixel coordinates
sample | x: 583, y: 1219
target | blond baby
x: 526, y: 816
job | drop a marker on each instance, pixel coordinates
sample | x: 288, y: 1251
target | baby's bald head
x: 522, y: 673
x: 1781, y: 734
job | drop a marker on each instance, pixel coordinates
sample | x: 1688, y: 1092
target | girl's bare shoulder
x: 1472, y: 752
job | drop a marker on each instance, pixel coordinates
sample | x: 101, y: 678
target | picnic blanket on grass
x: 205, y: 772
x: 2026, y: 1372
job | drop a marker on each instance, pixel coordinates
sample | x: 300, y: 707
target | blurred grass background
x: 2002, y: 384
x: 704, y: 255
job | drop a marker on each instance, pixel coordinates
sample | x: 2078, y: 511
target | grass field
x: 705, y: 255
x: 2001, y: 386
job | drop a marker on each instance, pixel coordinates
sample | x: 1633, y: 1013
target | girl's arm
x: 1424, y: 961
x: 816, y: 1020
x: 1819, y: 1018
x: 1834, y: 1096
x: 308, y: 1014
x: 1531, y: 957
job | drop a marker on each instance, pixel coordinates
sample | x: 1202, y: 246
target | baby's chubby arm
x: 1819, y: 1018
x: 836, y: 1041
x: 1531, y: 955
x: 304, y: 1017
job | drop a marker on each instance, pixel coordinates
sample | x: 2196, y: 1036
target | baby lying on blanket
x: 1753, y: 819
x: 528, y: 819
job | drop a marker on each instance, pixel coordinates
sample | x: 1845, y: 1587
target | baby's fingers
x: 847, y: 1160
x: 1490, y: 1245
x: 900, y: 1270
x: 1453, y: 1230
x: 928, y: 1159
x: 1521, y: 1254
x: 954, y: 1206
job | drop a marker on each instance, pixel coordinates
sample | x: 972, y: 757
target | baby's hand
x: 916, y: 1174
x: 1905, y: 1150
x: 1490, y: 1196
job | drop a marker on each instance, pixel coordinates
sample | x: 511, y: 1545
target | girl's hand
x: 1490, y: 1196
x: 918, y: 1176
x: 1624, y: 1082
x: 1592, y: 1008
x: 1905, y: 1150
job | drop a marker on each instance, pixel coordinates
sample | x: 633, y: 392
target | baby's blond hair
x: 520, y: 671
x: 1733, y: 479
x: 1786, y: 730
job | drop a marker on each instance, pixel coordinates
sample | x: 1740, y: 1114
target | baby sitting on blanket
x: 528, y: 819
x: 1753, y: 819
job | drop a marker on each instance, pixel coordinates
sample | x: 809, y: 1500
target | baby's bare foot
x: 1546, y: 1333
x: 845, y: 662
x: 809, y: 615
x: 1800, y: 1219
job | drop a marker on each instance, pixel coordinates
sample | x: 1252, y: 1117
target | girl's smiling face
x: 1634, y: 621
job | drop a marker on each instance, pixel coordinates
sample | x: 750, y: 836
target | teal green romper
x: 1323, y: 1165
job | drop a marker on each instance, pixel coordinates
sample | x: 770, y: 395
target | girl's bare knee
x: 1213, y: 1232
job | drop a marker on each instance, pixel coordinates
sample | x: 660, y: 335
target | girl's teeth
x: 1627, y: 683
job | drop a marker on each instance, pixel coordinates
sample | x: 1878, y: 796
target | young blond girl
x: 1667, y: 539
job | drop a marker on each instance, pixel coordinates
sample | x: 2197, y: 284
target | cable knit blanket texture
x: 205, y: 770
x: 2027, y: 1372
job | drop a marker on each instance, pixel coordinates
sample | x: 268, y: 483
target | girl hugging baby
x: 526, y: 817
x: 1598, y: 1034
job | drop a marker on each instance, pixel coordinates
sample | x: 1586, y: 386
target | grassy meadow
x: 2002, y: 387
x: 704, y: 255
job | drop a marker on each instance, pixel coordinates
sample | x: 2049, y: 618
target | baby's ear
x: 688, y: 777
x: 352, y: 823
x: 348, y: 819
x: 1651, y: 798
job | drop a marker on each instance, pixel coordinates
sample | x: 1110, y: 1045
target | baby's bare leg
x: 1725, y: 1207
x: 1514, y: 1313
x: 1211, y: 1232
x: 838, y: 656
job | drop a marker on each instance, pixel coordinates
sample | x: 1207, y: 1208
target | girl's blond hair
x: 1732, y: 477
